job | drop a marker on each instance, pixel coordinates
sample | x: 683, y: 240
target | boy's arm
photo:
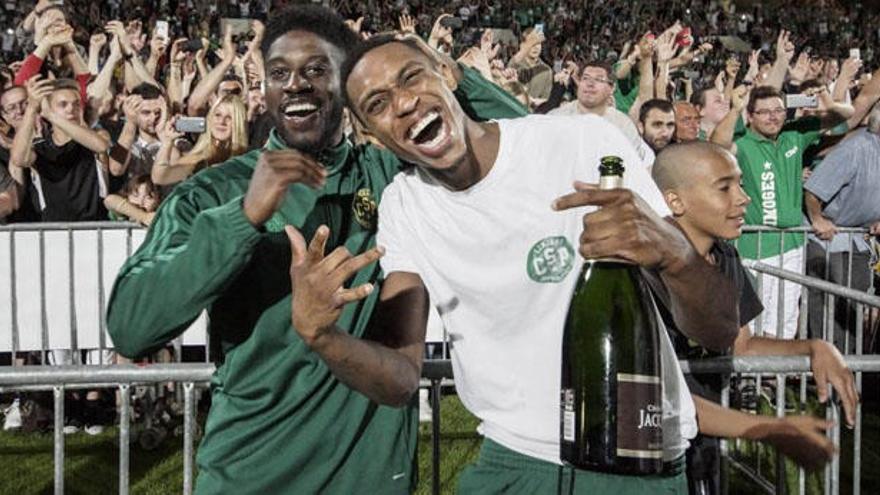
x: 799, y: 437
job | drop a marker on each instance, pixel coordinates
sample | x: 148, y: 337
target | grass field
x: 92, y: 465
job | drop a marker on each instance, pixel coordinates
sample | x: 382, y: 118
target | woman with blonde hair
x: 225, y: 136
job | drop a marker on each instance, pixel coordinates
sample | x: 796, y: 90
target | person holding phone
x: 771, y: 156
x: 533, y: 72
x: 224, y: 136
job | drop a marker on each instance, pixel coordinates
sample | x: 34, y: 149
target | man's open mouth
x: 429, y: 134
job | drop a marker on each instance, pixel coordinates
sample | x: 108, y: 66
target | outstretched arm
x: 799, y: 437
x: 826, y: 363
x: 701, y: 299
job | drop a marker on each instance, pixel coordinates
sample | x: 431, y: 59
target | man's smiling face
x: 406, y: 100
x: 303, y: 93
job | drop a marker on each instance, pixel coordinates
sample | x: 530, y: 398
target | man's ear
x: 360, y: 131
x: 641, y: 128
x: 448, y: 76
x: 675, y: 203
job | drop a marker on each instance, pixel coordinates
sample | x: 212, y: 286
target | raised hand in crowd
x: 488, y: 45
x: 799, y: 72
x: 201, y: 96
x: 167, y: 131
x: 97, y: 42
x: 407, y: 24
x: 476, y: 58
x: 567, y: 74
x: 158, y: 46
x: 848, y: 70
x: 131, y: 107
x: 21, y: 154
x: 117, y: 30
x: 754, y: 67
x: 665, y: 47
x: 138, y: 38
x: 440, y: 38
x: 59, y: 34
x: 785, y: 49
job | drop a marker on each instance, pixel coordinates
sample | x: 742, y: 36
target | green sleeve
x: 483, y: 100
x: 626, y: 90
x: 809, y: 128
x: 740, y: 129
x: 198, y: 242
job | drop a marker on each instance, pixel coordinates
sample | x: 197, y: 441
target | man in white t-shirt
x: 594, y: 90
x: 473, y: 223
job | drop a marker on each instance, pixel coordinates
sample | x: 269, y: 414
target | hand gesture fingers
x: 318, y: 298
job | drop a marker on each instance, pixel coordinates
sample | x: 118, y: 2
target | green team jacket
x: 280, y: 421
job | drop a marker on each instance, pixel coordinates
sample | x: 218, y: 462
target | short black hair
x: 810, y: 84
x: 362, y: 49
x: 316, y: 19
x: 698, y: 99
x: 655, y: 104
x: 762, y: 93
x: 602, y: 64
x: 147, y: 91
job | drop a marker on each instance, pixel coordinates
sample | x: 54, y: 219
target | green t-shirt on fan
x: 626, y: 90
x: 772, y: 177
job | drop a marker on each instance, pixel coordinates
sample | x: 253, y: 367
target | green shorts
x: 501, y: 470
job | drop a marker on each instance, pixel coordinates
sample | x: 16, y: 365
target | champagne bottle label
x: 568, y: 416
x: 610, y: 182
x: 639, y: 416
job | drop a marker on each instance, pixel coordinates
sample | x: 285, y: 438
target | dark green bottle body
x: 611, y: 393
x: 611, y: 398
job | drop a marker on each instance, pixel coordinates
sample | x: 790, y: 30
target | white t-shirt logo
x: 550, y: 260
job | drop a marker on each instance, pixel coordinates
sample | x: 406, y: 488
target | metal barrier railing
x: 434, y: 373
x: 860, y: 300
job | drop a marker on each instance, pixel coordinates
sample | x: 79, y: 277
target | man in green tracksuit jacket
x: 291, y: 413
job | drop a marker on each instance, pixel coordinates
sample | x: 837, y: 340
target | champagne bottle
x: 611, y: 395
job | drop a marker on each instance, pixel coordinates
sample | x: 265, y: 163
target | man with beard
x: 292, y: 412
x: 138, y: 143
x: 657, y: 124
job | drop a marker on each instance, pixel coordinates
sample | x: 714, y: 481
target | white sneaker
x: 70, y: 429
x: 94, y: 430
x: 424, y: 406
x: 12, y: 419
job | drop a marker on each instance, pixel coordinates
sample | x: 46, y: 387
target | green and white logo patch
x: 550, y: 260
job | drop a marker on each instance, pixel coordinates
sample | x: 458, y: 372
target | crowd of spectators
x: 105, y: 106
